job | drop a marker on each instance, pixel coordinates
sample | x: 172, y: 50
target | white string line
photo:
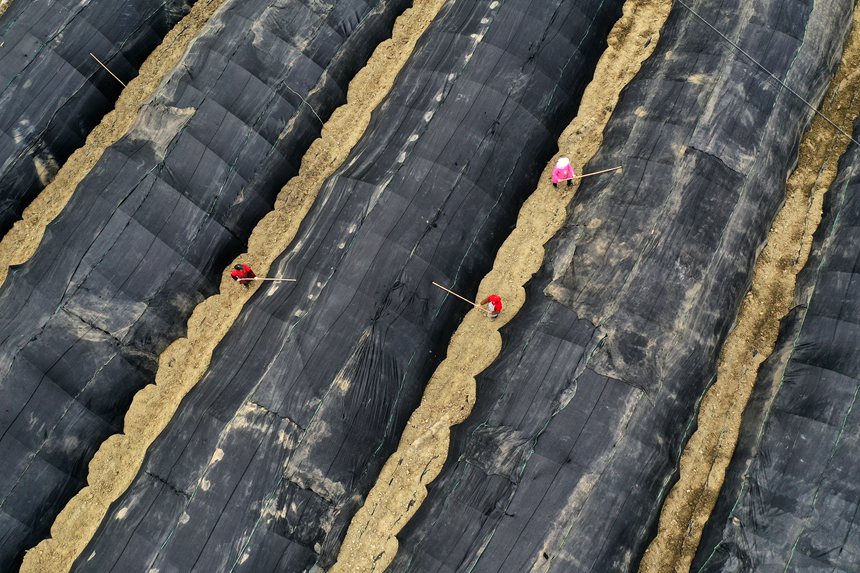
x: 306, y: 103
x: 768, y: 72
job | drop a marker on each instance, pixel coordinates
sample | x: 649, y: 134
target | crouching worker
x: 563, y: 171
x: 243, y: 274
x: 494, y: 305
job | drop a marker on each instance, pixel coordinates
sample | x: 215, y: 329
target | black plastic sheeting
x: 149, y: 231
x: 791, y: 498
x: 574, y: 440
x: 273, y: 451
x: 52, y: 92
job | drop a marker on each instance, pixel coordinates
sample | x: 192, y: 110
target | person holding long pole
x: 493, y: 305
x: 493, y: 302
x: 563, y: 171
x: 245, y: 275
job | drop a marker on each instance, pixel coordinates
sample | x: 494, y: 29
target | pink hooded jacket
x: 563, y: 170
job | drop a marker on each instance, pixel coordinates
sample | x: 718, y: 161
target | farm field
x: 429, y: 285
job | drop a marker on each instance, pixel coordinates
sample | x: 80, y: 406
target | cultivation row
x: 148, y: 232
x: 52, y: 91
x: 272, y: 452
x: 574, y: 439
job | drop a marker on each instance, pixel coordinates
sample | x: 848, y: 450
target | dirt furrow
x: 370, y: 544
x: 709, y: 451
x: 182, y: 364
x: 22, y: 240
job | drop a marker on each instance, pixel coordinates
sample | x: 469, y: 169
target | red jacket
x: 496, y: 301
x: 244, y: 275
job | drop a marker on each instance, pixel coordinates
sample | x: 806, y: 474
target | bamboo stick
x: 476, y: 305
x: 272, y: 279
x: 108, y: 70
x: 590, y: 174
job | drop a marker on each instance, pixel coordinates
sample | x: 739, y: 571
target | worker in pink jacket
x: 563, y: 171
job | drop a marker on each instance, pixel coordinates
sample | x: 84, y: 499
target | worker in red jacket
x: 243, y: 274
x: 494, y: 305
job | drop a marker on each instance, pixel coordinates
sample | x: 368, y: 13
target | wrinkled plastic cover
x: 52, y: 92
x: 271, y: 454
x: 792, y: 492
x: 574, y: 440
x: 149, y: 231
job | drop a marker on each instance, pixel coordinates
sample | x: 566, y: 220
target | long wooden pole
x: 476, y: 305
x: 593, y: 173
x: 268, y: 279
x: 108, y: 70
